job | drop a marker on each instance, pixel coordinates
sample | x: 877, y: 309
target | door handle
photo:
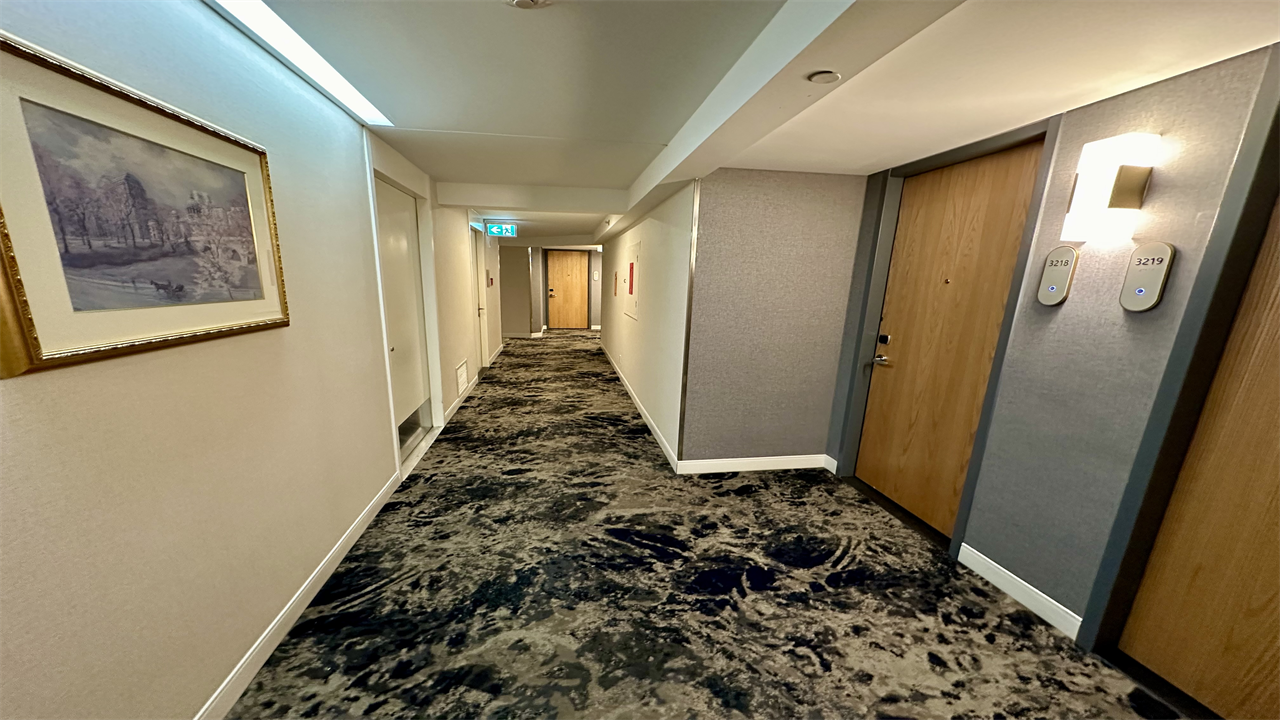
x: 880, y: 360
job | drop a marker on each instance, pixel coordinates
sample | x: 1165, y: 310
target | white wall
x: 158, y: 510
x: 455, y: 299
x: 649, y: 351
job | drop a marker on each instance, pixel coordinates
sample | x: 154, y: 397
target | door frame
x: 870, y: 282
x: 480, y: 282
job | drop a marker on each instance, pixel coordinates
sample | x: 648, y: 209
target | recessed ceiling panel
x: 615, y: 71
x: 506, y: 159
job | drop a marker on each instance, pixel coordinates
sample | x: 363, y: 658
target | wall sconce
x: 1111, y: 182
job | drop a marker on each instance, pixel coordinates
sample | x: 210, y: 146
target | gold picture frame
x: 173, y: 314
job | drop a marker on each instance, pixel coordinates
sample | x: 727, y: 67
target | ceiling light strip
x: 269, y: 29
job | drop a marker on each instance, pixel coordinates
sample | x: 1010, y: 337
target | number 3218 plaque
x: 1144, y: 280
x: 1059, y: 269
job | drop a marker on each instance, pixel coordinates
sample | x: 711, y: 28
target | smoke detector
x: 823, y: 77
x: 528, y: 4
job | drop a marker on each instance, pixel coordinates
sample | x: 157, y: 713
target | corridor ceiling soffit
x: 991, y: 65
x: 532, y: 197
x: 542, y: 224
x: 578, y: 93
x: 768, y: 86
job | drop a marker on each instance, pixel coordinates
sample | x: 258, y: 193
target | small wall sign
x: 1144, y: 280
x: 500, y: 229
x: 1059, y: 271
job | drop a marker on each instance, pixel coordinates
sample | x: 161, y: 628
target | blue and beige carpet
x: 543, y: 561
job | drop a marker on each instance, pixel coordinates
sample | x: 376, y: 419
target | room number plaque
x: 1144, y: 280
x: 1059, y: 269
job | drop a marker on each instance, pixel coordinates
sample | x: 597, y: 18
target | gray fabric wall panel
x: 773, y: 267
x: 1079, y: 379
x: 517, y: 291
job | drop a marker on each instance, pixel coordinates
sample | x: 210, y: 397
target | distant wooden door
x: 566, y: 289
x: 959, y: 229
x: 1207, y: 615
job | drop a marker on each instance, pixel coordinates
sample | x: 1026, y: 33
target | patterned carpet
x: 543, y: 561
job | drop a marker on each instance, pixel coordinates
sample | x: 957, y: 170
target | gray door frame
x: 870, y: 282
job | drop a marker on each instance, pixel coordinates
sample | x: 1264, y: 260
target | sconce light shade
x: 1130, y: 187
x: 1110, y: 185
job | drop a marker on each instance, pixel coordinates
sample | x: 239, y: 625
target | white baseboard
x: 595, y: 327
x: 521, y: 336
x: 776, y: 462
x: 1037, y: 602
x: 653, y: 427
x: 535, y: 336
x: 829, y: 463
x: 495, y: 355
x: 448, y: 414
x: 224, y: 698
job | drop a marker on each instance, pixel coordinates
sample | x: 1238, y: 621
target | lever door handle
x: 880, y: 360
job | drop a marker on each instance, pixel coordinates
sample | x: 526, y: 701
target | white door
x: 401, y: 297
x: 478, y: 260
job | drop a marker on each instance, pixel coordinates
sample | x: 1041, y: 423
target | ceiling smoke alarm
x: 823, y: 77
x: 528, y: 4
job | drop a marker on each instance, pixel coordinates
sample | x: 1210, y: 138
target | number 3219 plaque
x: 1144, y: 280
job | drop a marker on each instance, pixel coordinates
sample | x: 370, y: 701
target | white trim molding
x: 829, y: 463
x: 1037, y: 602
x: 519, y: 336
x: 448, y: 415
x: 653, y: 427
x: 595, y: 327
x: 495, y: 355
x: 224, y: 698
x: 776, y: 462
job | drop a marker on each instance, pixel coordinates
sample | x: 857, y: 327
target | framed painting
x: 125, y: 224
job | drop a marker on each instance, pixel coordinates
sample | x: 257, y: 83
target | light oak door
x: 1207, y: 614
x: 954, y: 251
x: 566, y: 289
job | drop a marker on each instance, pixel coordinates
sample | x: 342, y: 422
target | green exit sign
x: 501, y: 229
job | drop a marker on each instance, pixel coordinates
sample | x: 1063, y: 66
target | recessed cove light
x: 824, y: 77
x: 269, y: 29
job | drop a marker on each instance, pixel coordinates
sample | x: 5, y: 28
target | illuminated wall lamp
x: 1110, y: 185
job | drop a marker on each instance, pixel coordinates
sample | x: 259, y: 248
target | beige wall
x: 455, y: 299
x: 649, y: 351
x: 157, y: 511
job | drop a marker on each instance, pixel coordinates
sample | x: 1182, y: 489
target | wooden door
x: 566, y: 289
x: 401, y: 297
x: 1207, y: 615
x: 959, y: 230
